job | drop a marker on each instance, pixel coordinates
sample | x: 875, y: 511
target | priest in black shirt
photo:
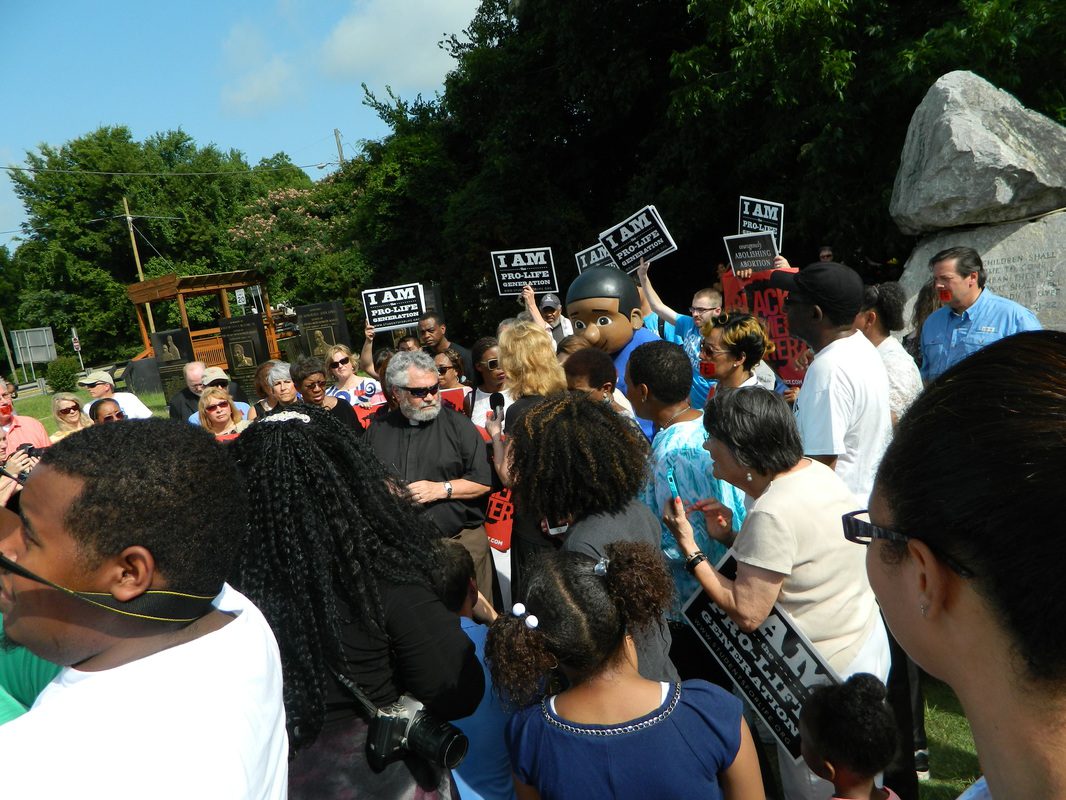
x: 438, y: 453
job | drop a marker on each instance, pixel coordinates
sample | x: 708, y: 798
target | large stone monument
x: 980, y: 169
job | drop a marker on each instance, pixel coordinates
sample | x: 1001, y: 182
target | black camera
x: 406, y: 727
x: 30, y: 450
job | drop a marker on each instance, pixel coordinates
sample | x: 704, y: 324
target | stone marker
x: 1025, y: 261
x: 974, y: 155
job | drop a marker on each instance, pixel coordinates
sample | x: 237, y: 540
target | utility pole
x: 137, y: 261
x: 10, y: 361
x: 340, y: 148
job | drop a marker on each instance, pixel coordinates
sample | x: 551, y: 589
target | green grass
x: 40, y: 406
x: 952, y: 758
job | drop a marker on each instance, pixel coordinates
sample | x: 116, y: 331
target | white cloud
x: 261, y: 81
x: 394, y: 42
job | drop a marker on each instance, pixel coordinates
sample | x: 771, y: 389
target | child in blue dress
x: 612, y: 733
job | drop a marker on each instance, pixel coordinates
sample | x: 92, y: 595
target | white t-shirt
x: 842, y: 411
x: 904, y: 379
x: 481, y: 406
x: 131, y: 405
x: 201, y: 720
x: 794, y: 528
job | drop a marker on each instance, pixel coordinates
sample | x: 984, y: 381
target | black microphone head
x: 496, y: 403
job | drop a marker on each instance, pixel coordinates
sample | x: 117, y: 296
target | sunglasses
x: 444, y: 370
x: 70, y: 410
x: 340, y: 362
x: 707, y: 350
x: 421, y: 391
x: 492, y: 363
x: 113, y: 417
x: 862, y: 531
x: 217, y: 406
x: 307, y: 385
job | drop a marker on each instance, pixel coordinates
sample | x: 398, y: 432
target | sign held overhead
x: 756, y: 216
x: 640, y: 236
x: 394, y: 306
x: 515, y: 269
x: 754, y: 251
x: 595, y: 256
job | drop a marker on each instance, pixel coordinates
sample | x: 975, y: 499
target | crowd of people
x: 297, y: 596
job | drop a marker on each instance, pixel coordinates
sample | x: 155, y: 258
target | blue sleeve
x: 683, y: 326
x: 1027, y: 321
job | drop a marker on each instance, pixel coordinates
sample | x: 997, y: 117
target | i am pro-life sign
x: 394, y: 306
x: 757, y: 216
x: 595, y: 256
x: 642, y: 235
x: 517, y: 268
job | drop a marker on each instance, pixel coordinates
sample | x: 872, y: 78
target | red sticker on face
x: 944, y: 294
x: 707, y: 369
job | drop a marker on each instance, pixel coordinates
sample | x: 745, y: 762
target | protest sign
x: 642, y: 235
x: 754, y: 251
x: 517, y: 268
x: 775, y: 666
x: 756, y: 296
x: 394, y: 306
x: 595, y: 256
x: 756, y: 216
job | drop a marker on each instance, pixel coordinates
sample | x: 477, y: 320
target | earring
x: 749, y: 477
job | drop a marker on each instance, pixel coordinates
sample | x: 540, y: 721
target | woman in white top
x: 733, y: 345
x: 349, y: 386
x: 489, y: 378
x: 882, y: 313
x: 790, y: 549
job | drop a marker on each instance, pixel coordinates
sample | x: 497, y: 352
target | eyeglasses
x: 70, y: 410
x: 113, y: 417
x: 700, y: 309
x: 307, y: 385
x: 340, y: 362
x: 862, y: 531
x: 707, y: 350
x: 492, y: 363
x: 217, y: 406
x: 420, y: 391
x: 444, y: 370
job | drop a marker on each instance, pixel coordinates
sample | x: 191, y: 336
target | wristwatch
x: 448, y: 489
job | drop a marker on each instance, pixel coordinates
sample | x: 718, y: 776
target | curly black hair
x: 850, y: 725
x: 582, y: 617
x: 572, y: 457
x: 324, y: 521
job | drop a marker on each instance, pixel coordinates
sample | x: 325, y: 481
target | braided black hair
x: 582, y: 617
x: 324, y: 521
x: 573, y: 457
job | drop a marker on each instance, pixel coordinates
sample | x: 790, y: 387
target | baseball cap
x: 97, y: 376
x: 212, y: 374
x: 550, y: 301
x: 835, y: 288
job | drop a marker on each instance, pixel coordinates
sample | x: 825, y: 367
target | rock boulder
x: 974, y: 155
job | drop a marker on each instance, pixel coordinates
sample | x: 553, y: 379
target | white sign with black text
x: 394, y: 306
x: 517, y: 268
x: 756, y: 216
x: 640, y: 236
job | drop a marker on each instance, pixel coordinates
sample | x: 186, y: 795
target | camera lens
x: 437, y: 740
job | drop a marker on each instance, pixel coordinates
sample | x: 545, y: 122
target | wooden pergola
x: 207, y: 343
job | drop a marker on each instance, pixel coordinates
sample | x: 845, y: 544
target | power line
x: 253, y: 170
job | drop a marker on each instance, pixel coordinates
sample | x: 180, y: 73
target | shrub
x: 62, y: 374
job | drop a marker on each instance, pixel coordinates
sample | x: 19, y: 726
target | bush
x: 62, y: 374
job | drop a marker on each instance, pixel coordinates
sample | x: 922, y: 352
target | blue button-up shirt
x: 948, y: 337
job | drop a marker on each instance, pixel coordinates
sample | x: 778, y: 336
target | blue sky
x: 256, y: 76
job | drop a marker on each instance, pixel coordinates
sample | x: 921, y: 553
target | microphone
x: 496, y: 403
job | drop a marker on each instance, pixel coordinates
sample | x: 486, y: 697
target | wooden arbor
x: 207, y: 343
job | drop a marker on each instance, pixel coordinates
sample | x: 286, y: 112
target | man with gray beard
x: 439, y: 455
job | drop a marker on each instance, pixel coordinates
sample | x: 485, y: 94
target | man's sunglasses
x: 340, y: 362
x: 420, y: 391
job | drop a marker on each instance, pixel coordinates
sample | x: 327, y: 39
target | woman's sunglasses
x: 217, y: 406
x: 492, y: 363
x: 444, y: 370
x: 340, y: 362
x: 70, y: 410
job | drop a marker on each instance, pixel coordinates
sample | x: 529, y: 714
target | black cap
x: 833, y: 287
